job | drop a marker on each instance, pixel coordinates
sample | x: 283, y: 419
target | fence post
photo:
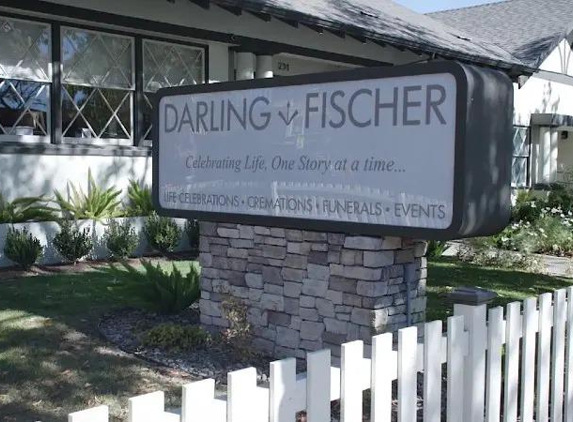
x: 471, y: 303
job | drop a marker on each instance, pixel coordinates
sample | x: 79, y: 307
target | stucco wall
x: 32, y: 175
x: 540, y: 94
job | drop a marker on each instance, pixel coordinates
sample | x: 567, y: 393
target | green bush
x: 166, y: 291
x: 140, y: 203
x: 162, y: 233
x: 192, y: 231
x: 436, y: 248
x: 73, y: 243
x: 527, y: 207
x: 22, y: 247
x: 176, y: 338
x: 96, y: 204
x: 25, y: 209
x: 121, y: 239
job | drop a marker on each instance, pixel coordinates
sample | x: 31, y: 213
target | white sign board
x: 367, y: 151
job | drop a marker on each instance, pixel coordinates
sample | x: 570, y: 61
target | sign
x: 417, y: 151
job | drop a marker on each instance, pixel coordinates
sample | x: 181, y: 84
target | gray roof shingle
x: 386, y: 21
x: 528, y: 29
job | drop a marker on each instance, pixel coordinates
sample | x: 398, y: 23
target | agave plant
x: 140, y: 203
x: 96, y: 204
x: 25, y: 209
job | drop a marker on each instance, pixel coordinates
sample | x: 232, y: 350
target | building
x: 540, y: 34
x: 77, y: 76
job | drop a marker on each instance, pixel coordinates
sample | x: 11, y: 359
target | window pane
x: 96, y: 112
x: 519, y: 172
x: 97, y: 59
x: 520, y: 141
x: 166, y: 65
x: 24, y: 107
x: 24, y: 50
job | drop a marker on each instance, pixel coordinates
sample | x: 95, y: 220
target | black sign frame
x: 470, y: 106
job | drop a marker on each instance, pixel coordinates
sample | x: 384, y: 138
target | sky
x: 433, y: 5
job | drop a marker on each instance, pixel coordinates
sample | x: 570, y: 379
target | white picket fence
x: 513, y: 367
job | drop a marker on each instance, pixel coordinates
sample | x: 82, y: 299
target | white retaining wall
x: 46, y: 230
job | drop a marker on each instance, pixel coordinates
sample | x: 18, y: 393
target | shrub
x: 25, y: 209
x: 168, y: 292
x: 120, y: 239
x: 192, y: 231
x: 22, y: 247
x: 140, y: 203
x: 73, y: 243
x: 175, y: 337
x: 162, y: 233
x: 481, y: 251
x: 96, y: 204
x: 436, y: 248
x: 238, y: 334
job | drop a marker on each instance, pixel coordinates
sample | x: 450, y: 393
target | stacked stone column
x: 310, y: 290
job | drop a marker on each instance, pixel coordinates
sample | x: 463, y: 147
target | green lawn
x: 52, y: 361
x: 510, y: 285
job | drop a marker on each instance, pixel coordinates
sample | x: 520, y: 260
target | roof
x: 529, y: 29
x: 384, y: 21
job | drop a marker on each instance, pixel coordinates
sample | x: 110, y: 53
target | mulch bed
x: 125, y: 327
x: 11, y: 273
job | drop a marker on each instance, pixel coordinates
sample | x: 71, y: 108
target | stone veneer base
x: 310, y: 290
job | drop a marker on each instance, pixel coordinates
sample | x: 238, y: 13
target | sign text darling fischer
x: 417, y: 151
x: 411, y: 105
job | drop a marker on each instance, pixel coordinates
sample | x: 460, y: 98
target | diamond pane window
x: 24, y: 108
x: 25, y: 51
x: 96, y: 113
x: 98, y: 85
x: 520, y: 164
x: 166, y: 65
x: 97, y: 59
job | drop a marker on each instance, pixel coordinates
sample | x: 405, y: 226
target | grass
x: 445, y: 274
x: 52, y: 361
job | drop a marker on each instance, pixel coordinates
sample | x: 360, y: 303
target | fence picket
x: 382, y: 376
x: 432, y: 371
x: 407, y: 374
x: 149, y: 408
x: 569, y: 366
x: 530, y: 324
x: 246, y: 402
x: 558, y: 358
x: 544, y: 356
x: 283, y: 390
x: 199, y: 403
x: 455, y: 380
x: 495, y: 336
x: 318, y: 387
x: 513, y: 326
x: 95, y: 414
x: 350, y: 382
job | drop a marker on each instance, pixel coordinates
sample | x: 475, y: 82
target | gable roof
x: 383, y: 21
x: 529, y: 29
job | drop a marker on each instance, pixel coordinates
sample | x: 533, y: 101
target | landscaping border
x: 46, y: 230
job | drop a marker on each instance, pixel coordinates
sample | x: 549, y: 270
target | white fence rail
x: 517, y: 366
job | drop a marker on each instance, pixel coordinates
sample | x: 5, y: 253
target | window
x: 166, y: 65
x: 520, y: 163
x: 97, y: 86
x: 104, y: 92
x: 25, y: 77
